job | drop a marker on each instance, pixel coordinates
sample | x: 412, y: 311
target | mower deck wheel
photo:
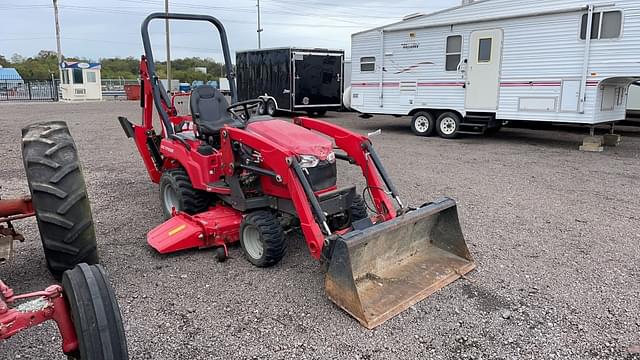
x: 262, y: 238
x: 176, y: 191
x: 95, y: 314
x: 59, y: 196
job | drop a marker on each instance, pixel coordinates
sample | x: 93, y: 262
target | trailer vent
x: 408, y: 86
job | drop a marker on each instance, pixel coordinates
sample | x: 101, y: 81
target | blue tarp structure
x: 9, y: 74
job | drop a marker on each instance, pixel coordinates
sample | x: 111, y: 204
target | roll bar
x: 152, y: 68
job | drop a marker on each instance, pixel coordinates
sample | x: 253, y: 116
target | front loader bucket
x: 376, y: 273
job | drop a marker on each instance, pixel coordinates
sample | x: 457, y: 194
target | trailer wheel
x: 262, y: 108
x: 262, y: 238
x: 95, y: 314
x: 59, y: 196
x: 177, y: 192
x: 271, y: 107
x: 422, y: 123
x: 448, y: 125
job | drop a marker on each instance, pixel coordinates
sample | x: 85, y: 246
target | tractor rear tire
x: 177, y: 191
x: 95, y: 314
x: 262, y: 238
x: 59, y: 196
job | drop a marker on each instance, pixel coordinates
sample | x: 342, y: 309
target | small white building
x: 468, y: 68
x: 80, y: 81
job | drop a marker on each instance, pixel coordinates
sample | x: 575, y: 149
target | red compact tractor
x: 227, y: 175
x: 84, y: 307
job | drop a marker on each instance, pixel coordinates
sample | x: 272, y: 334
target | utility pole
x: 166, y: 12
x: 259, y: 31
x: 59, y: 47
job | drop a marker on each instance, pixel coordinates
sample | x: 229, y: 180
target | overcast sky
x: 95, y: 29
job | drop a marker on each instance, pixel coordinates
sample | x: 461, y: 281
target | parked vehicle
x: 291, y: 79
x: 468, y: 68
x: 227, y: 176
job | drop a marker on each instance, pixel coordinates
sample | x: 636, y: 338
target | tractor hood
x: 293, y: 137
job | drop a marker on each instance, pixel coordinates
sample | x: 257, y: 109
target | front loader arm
x: 283, y: 163
x: 358, y: 147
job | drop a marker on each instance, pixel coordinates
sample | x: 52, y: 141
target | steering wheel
x: 245, y: 106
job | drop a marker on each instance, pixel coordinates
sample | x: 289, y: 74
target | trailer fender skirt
x: 376, y: 273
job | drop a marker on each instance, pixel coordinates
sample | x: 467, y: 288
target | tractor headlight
x: 308, y: 161
x: 331, y: 158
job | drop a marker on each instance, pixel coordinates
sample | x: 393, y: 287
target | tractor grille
x: 322, y: 176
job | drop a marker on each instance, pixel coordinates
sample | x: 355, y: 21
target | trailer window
x: 484, y: 50
x: 453, y: 52
x: 367, y: 63
x: 605, y: 25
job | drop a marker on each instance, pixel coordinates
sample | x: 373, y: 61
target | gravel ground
x: 555, y: 233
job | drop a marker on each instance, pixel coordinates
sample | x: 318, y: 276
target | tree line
x: 45, y: 65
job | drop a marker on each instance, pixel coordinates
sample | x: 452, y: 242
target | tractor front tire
x: 59, y: 196
x: 358, y: 209
x: 262, y: 238
x: 95, y: 314
x: 177, y: 191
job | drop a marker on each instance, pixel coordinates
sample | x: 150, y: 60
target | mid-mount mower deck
x: 227, y: 176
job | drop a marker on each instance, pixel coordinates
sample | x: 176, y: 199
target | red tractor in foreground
x: 84, y: 307
x: 227, y: 175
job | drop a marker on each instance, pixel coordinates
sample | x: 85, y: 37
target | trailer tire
x: 262, y: 238
x: 272, y: 109
x: 177, y: 191
x: 448, y: 125
x: 95, y: 314
x: 422, y: 123
x: 262, y: 108
x: 59, y: 196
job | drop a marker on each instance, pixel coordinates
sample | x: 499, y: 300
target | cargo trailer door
x: 317, y: 80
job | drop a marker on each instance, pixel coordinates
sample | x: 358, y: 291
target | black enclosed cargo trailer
x: 291, y: 79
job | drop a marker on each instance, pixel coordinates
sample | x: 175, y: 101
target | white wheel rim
x: 448, y: 126
x: 252, y: 243
x: 170, y: 198
x: 421, y: 124
x: 271, y: 108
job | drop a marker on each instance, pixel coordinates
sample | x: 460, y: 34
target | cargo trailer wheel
x: 422, y: 123
x: 262, y: 238
x: 177, y: 192
x: 59, y: 196
x: 271, y: 108
x: 448, y: 125
x: 95, y: 314
x: 262, y: 108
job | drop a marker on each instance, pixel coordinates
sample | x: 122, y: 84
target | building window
x: 484, y: 50
x: 453, y: 53
x: 605, y: 25
x: 91, y: 77
x: 367, y: 63
x: 77, y: 76
x: 65, y: 76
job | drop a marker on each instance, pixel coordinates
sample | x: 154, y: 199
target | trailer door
x: 483, y: 71
x: 317, y: 80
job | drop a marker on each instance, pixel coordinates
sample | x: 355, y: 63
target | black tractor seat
x: 209, y: 111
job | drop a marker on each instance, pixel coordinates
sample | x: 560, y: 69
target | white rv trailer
x: 469, y: 68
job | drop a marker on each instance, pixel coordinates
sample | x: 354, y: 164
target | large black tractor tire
x: 59, y: 196
x: 262, y: 238
x: 95, y: 314
x: 177, y: 191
